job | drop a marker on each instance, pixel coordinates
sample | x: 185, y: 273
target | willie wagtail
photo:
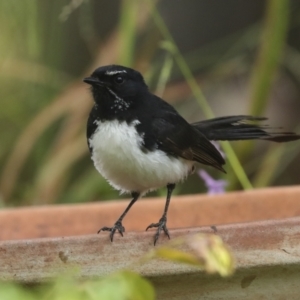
x: 139, y: 142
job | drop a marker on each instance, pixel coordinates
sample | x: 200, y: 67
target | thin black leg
x: 162, y: 223
x: 118, y: 225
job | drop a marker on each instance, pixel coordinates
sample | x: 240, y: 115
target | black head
x: 116, y: 87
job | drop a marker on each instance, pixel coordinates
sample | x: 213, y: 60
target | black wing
x: 177, y: 137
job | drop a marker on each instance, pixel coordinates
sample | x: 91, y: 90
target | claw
x: 161, y: 225
x: 117, y: 226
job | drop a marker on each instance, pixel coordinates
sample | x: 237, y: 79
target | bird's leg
x: 118, y: 225
x: 162, y: 223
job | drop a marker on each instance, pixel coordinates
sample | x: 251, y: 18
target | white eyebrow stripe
x: 115, y: 72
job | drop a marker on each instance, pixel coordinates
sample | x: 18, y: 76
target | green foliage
x: 119, y: 286
x: 44, y: 50
x: 10, y: 291
x: 122, y: 285
x: 273, y: 41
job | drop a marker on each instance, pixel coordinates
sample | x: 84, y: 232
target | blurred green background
x: 226, y: 57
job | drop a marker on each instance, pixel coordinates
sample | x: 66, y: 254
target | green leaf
x: 214, y: 252
x: 9, y: 291
x: 178, y: 256
x: 204, y: 251
x: 124, y: 285
x: 63, y: 288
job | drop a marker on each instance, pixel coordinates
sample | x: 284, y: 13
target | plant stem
x: 191, y: 81
x: 127, y: 30
x: 264, y: 71
x: 273, y: 41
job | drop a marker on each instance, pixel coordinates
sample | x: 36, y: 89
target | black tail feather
x: 234, y: 128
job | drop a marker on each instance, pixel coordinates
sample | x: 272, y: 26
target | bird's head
x: 116, y: 86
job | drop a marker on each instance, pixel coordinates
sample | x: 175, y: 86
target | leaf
x: 178, y: 256
x: 64, y: 287
x: 204, y: 251
x: 214, y: 252
x: 124, y: 285
x: 10, y: 291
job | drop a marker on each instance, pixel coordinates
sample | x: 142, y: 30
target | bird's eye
x: 119, y: 79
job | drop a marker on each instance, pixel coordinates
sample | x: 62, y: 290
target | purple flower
x: 214, y: 186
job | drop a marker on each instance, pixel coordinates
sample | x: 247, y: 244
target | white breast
x: 118, y: 157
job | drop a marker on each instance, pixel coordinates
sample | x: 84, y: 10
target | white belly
x: 118, y: 157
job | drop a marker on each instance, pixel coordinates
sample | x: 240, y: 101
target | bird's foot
x: 117, y: 227
x: 161, y: 225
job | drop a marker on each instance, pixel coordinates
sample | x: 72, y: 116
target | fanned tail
x: 234, y: 128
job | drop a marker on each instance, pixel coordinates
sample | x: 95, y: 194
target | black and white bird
x: 139, y: 142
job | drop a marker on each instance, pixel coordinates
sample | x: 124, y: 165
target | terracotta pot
x: 38, y: 242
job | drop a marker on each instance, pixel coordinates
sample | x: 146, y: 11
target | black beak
x: 92, y: 81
